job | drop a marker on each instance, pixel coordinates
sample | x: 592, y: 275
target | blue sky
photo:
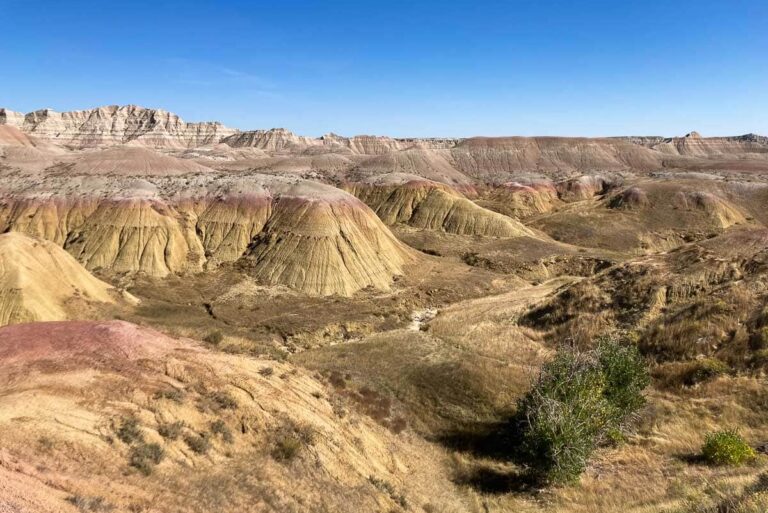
x: 428, y: 68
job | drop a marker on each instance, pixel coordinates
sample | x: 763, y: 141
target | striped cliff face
x: 114, y: 125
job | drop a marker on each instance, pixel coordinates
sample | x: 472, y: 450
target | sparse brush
x: 727, y: 448
x: 90, y: 503
x: 704, y: 370
x: 219, y: 427
x: 170, y: 430
x: 290, y: 439
x: 172, y: 394
x: 145, y: 456
x: 222, y: 400
x: 198, y: 443
x: 287, y: 447
x: 130, y: 431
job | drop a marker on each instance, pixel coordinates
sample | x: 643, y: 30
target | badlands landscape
x: 195, y: 318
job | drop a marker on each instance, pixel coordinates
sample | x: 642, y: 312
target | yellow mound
x: 309, y: 236
x: 38, y: 279
x: 325, y: 248
x: 433, y: 206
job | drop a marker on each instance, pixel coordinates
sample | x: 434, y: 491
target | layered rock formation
x: 39, y: 281
x: 499, y: 159
x: 309, y: 236
x: 421, y: 203
x: 11, y: 118
x: 694, y: 145
x: 115, y: 125
x: 274, y: 140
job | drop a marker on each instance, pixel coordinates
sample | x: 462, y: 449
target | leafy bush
x: 130, y: 431
x: 145, y: 456
x: 198, y: 443
x: 579, y: 401
x: 727, y: 448
x: 170, y: 430
x: 625, y: 377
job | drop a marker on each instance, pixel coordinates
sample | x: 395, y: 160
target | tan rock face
x: 11, y: 118
x: 113, y: 125
x: 38, y: 279
x: 312, y: 237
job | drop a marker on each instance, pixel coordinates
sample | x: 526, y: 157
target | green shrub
x: 130, y: 431
x: 145, y: 456
x: 579, y: 401
x: 727, y: 448
x: 170, y: 430
x: 198, y: 443
x: 562, y: 417
x: 214, y: 337
x: 625, y: 376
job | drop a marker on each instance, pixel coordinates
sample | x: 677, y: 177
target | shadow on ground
x: 495, y: 466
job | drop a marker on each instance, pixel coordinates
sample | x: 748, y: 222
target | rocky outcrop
x: 630, y: 199
x: 274, y: 140
x: 581, y: 188
x: 11, y: 118
x: 115, y: 125
x: 39, y: 281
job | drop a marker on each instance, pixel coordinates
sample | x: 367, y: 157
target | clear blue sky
x: 420, y: 68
